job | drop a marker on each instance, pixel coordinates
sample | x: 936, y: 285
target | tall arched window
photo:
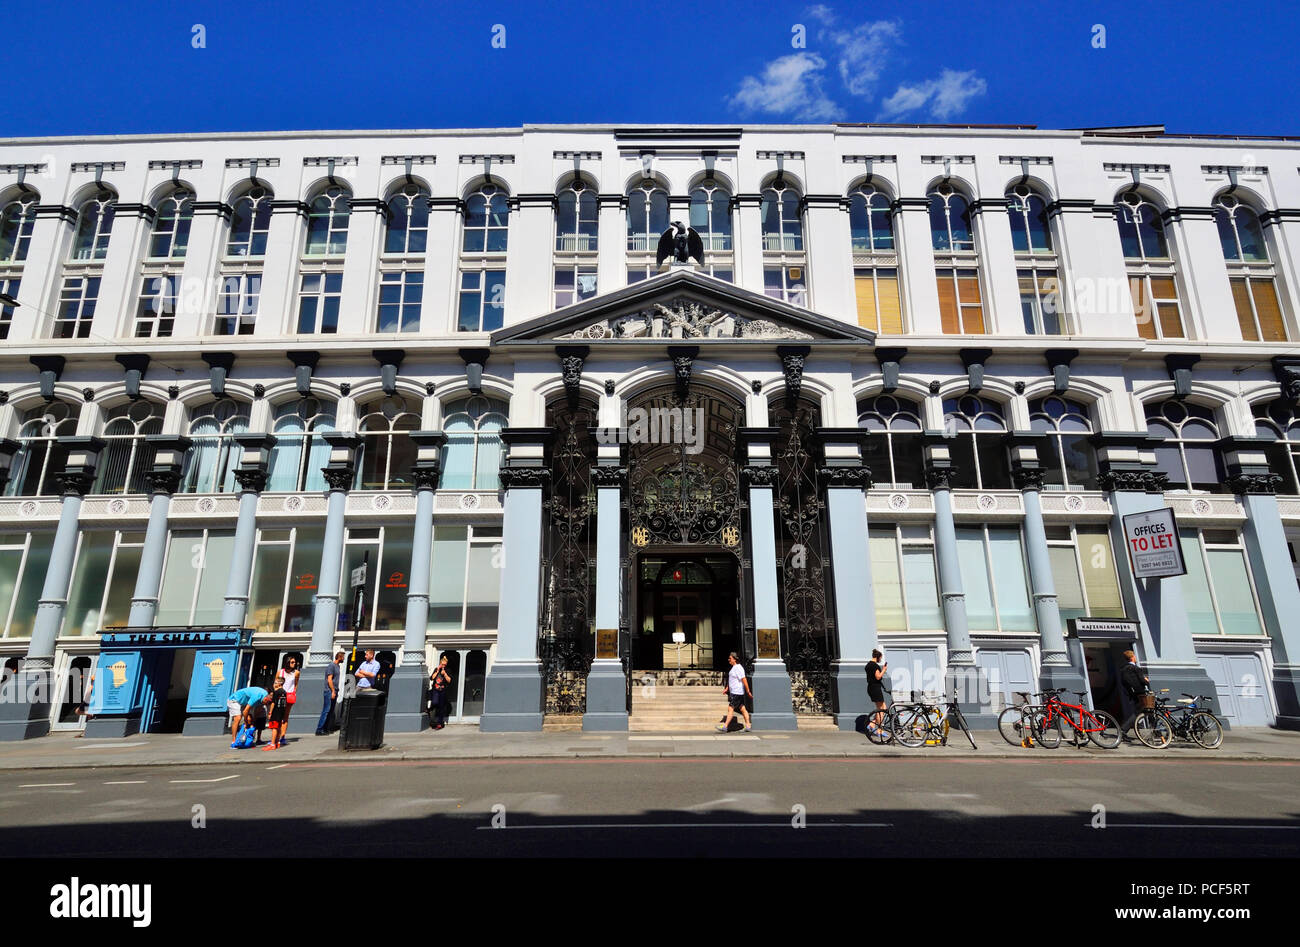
x: 1188, y: 456
x: 171, y: 225
x: 126, y: 458
x: 785, y: 274
x: 17, y: 220
x: 576, y: 219
x: 1152, y: 276
x: 711, y: 215
x: 94, y: 226
x: 893, y: 453
x: 956, y: 262
x: 472, y: 456
x: 327, y: 222
x: 300, y: 452
x: 387, y: 451
x: 875, y: 260
x: 1070, y: 460
x: 647, y: 216
x: 1036, y: 270
x: 250, y: 223
x: 1280, y: 422
x: 487, y: 219
x: 213, y: 455
x: 407, y: 228
x: 39, y: 455
x: 976, y: 428
x: 1250, y: 271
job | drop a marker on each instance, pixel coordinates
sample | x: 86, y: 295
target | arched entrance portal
x: 685, y: 596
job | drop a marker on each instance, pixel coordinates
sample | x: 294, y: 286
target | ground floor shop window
x: 195, y: 576
x: 24, y: 560
x: 994, y: 579
x: 468, y: 671
x: 465, y: 579
x: 1083, y: 572
x: 387, y: 576
x: 286, y: 570
x: 1218, y: 587
x: 904, y: 579
x: 102, y: 582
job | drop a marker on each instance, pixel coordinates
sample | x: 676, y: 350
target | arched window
x: 472, y: 455
x: 94, y: 226
x: 782, y: 218
x: 1250, y: 272
x: 17, y: 219
x: 1279, y: 422
x: 125, y: 457
x: 300, y: 451
x: 1188, y: 456
x: 647, y: 216
x: 171, y: 226
x: 956, y: 263
x: 1152, y: 276
x: 576, y: 218
x: 1031, y: 237
x: 213, y: 455
x: 1070, y: 460
x: 387, y: 451
x: 487, y: 219
x: 893, y: 452
x: 327, y: 222
x: 976, y: 427
x: 250, y: 223
x: 39, y: 455
x: 407, y: 229
x: 711, y: 215
x: 875, y: 260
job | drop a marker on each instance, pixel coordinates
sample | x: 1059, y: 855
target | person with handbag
x: 1133, y: 684
x: 439, y: 681
x: 288, y: 676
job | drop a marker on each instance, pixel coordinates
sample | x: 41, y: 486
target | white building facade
x: 903, y: 402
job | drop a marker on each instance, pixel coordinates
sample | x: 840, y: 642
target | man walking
x: 737, y: 688
x: 326, y: 725
x: 1133, y: 684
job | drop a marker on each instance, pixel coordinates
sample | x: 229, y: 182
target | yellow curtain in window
x: 891, y: 311
x: 972, y: 313
x: 865, y: 287
x: 1143, y: 308
x: 1166, y: 297
x: 948, y: 303
x: 1245, y: 316
x: 1271, y: 326
x: 1099, y: 580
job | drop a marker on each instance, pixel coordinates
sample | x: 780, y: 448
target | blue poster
x: 212, y: 681
x: 115, y: 683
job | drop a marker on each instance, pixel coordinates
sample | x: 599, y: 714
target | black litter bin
x: 363, y: 720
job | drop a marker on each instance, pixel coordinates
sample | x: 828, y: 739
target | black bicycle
x: 1157, y: 727
x: 927, y: 722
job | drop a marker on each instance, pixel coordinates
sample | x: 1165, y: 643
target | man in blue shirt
x: 367, y: 670
x: 241, y: 706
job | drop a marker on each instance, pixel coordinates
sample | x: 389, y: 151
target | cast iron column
x: 339, y: 473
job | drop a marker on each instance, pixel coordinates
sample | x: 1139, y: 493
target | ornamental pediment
x: 682, y: 306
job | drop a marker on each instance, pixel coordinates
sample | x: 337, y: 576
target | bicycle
x: 883, y: 732
x: 926, y: 722
x: 1157, y: 727
x: 1015, y: 723
x: 1099, y: 726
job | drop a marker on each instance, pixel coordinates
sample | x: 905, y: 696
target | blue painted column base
x: 407, y: 690
x: 208, y: 725
x: 1286, y: 688
x: 606, y: 697
x: 514, y: 698
x: 1071, y: 678
x: 773, y: 704
x: 971, y: 685
x: 849, y: 690
x: 114, y: 727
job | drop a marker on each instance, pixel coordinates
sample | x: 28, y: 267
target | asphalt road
x: 670, y: 807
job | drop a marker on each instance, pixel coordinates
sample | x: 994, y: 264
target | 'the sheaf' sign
x: 1153, y: 547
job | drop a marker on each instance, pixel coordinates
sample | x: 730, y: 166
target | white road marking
x: 108, y: 746
x: 43, y: 785
x: 125, y: 782
x: 278, y: 766
x: 219, y: 779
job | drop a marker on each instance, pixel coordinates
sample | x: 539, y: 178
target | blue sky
x: 79, y: 67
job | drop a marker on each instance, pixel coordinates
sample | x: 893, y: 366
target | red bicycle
x: 1049, y: 726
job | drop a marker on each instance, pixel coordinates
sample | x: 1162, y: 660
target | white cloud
x: 790, y: 85
x: 822, y: 12
x: 946, y: 96
x: 864, y: 52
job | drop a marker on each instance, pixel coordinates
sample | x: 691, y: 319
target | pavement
x: 466, y: 742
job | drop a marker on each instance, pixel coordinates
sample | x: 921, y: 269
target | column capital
x: 525, y: 477
x: 759, y: 475
x: 251, y: 479
x: 939, y: 475
x: 1253, y: 483
x: 609, y: 476
x: 852, y: 476
x: 1126, y: 480
x: 1028, y: 477
x: 78, y: 474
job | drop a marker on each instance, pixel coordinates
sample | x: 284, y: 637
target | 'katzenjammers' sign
x: 1153, y: 547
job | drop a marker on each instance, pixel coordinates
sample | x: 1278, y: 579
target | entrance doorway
x: 687, y: 610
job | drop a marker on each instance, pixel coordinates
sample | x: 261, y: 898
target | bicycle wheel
x: 1108, y: 736
x: 1205, y: 729
x: 1153, y: 729
x: 883, y: 733
x: 1073, y: 735
x: 1011, y: 725
x: 911, y: 725
x: 1047, y: 733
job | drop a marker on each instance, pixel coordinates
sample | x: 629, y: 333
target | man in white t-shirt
x: 737, y: 689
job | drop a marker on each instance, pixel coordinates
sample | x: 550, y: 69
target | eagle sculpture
x: 681, y: 243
